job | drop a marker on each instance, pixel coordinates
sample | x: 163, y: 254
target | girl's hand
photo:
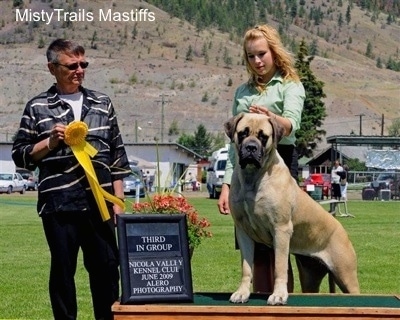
x: 258, y: 109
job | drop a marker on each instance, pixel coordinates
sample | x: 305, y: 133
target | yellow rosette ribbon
x: 75, y: 134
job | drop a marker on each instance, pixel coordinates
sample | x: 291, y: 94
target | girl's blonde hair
x: 282, y: 58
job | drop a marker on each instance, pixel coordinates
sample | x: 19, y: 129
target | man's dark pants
x: 66, y: 232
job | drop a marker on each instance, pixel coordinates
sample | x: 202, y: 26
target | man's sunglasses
x: 74, y: 66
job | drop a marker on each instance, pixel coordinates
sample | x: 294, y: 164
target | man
x: 70, y: 215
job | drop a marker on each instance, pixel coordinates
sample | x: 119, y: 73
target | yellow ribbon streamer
x: 75, y: 134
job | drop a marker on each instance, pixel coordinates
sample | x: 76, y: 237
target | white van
x: 216, y: 172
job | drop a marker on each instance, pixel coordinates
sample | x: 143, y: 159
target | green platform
x: 305, y: 300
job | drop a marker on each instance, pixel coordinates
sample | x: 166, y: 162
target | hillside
x: 141, y: 63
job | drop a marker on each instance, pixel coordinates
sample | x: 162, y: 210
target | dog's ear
x: 230, y: 125
x: 278, y: 131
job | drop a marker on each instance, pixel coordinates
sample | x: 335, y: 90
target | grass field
x: 24, y: 256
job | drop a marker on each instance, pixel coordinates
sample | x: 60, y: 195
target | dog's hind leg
x: 343, y: 261
x: 347, y: 280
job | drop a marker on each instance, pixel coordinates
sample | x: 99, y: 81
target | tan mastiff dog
x: 269, y: 207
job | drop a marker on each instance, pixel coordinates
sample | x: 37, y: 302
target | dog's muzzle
x: 250, y: 152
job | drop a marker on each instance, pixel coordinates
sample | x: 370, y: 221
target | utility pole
x: 136, y: 131
x: 163, y: 102
x: 360, y: 115
x: 382, y: 124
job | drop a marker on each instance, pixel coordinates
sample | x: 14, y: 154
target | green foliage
x: 134, y: 31
x: 379, y: 63
x: 93, y: 44
x: 394, y: 129
x: 204, y: 98
x: 189, y: 53
x: 202, y: 142
x: 368, y: 52
x: 133, y: 79
x: 348, y: 15
x: 356, y: 165
x: 340, y: 20
x: 173, y: 128
x: 41, y: 43
x: 313, y: 48
x: 219, y: 141
x: 18, y: 3
x: 314, y: 108
x: 392, y: 64
x: 227, y: 58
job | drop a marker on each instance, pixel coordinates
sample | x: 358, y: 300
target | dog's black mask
x: 250, y: 152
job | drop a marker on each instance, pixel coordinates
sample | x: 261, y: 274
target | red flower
x: 169, y: 204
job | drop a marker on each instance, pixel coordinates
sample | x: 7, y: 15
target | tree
x: 394, y: 129
x: 314, y: 108
x: 227, y: 58
x: 18, y: 3
x: 41, y: 42
x: 348, y: 15
x: 340, y: 20
x: 379, y: 63
x: 173, y: 128
x: 356, y: 165
x: 93, y: 45
x: 314, y: 47
x: 202, y: 142
x: 189, y: 53
x: 134, y: 31
x: 368, y: 52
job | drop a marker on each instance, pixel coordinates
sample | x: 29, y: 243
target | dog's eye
x: 243, y: 134
x: 263, y: 138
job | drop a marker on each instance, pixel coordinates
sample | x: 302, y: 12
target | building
x: 169, y: 161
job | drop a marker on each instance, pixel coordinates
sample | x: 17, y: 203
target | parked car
x: 322, y: 180
x: 130, y: 183
x: 31, y: 180
x: 387, y: 180
x: 12, y: 182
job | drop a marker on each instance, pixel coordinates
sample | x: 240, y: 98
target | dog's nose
x: 251, y: 147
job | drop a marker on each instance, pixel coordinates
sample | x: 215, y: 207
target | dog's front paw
x: 240, y: 296
x: 278, y: 298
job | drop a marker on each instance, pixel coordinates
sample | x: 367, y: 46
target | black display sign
x: 154, y: 258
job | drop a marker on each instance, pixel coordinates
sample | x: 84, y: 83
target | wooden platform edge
x: 201, y: 312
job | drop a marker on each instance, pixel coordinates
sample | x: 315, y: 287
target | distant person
x: 70, y: 215
x: 335, y: 182
x: 150, y: 180
x: 343, y: 182
x: 335, y: 179
x: 193, y: 181
x: 145, y: 177
x: 273, y: 89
